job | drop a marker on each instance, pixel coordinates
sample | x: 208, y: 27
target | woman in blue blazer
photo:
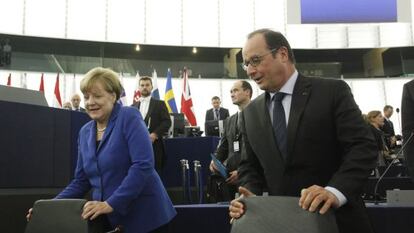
x: 116, y: 161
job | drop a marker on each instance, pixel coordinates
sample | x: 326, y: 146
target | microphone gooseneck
x: 389, y: 166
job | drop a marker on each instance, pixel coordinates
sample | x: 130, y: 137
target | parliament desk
x: 208, y: 218
x: 190, y: 148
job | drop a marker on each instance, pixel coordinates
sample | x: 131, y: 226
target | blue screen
x: 348, y: 11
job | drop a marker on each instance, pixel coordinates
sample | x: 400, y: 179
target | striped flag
x: 23, y: 80
x: 186, y: 101
x: 57, y: 101
x: 137, y: 93
x: 155, y: 92
x: 42, y: 87
x: 9, y: 80
x: 122, y: 99
x: 169, y: 94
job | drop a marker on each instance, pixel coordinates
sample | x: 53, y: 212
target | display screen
x: 348, y: 11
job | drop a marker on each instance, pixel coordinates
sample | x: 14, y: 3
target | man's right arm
x: 250, y: 171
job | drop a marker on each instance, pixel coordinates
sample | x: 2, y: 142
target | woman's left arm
x: 140, y: 153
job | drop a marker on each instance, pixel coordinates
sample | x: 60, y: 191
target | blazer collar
x: 300, y: 96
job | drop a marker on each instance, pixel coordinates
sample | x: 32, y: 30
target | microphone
x: 118, y: 229
x: 389, y: 166
x: 397, y: 110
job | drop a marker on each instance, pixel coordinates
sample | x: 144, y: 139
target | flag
x: 137, y: 93
x: 57, y: 101
x: 9, y: 80
x: 169, y: 94
x: 42, y: 87
x: 122, y: 98
x: 23, y: 80
x: 155, y: 92
x: 186, y: 101
x: 73, y: 86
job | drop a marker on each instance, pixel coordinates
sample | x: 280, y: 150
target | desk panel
x: 191, y: 148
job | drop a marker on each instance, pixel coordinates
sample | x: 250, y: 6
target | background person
x: 156, y: 117
x: 229, y: 148
x: 75, y: 100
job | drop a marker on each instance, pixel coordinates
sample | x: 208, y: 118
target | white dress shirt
x: 144, y: 105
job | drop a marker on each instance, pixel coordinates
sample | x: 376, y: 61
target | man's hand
x: 311, y: 198
x: 233, y: 177
x: 93, y: 209
x: 153, y: 137
x: 236, y: 208
x: 213, y: 167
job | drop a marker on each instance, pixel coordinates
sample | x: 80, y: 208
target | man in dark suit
x: 156, y: 117
x: 303, y: 137
x: 213, y: 116
x: 407, y: 120
x: 76, y: 103
x: 388, y: 127
x: 228, y: 150
x: 217, y: 112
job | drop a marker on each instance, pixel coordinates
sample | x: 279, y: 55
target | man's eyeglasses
x: 256, y: 60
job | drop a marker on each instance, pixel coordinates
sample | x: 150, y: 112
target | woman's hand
x: 29, y: 214
x: 92, y: 209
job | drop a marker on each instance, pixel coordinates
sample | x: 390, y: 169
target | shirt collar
x: 145, y: 98
x: 288, y: 86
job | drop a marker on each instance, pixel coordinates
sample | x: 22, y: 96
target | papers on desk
x: 220, y: 166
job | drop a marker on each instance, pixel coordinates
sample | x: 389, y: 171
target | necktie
x: 217, y: 114
x: 279, y: 123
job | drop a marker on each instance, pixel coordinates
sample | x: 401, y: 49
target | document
x: 220, y: 166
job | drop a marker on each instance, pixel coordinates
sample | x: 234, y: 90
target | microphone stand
x: 389, y: 166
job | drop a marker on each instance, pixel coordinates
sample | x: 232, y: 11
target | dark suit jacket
x: 158, y: 121
x: 388, y: 128
x: 120, y: 171
x: 224, y: 113
x: 407, y: 118
x: 225, y: 149
x: 329, y: 144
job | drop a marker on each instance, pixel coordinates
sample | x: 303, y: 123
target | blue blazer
x: 121, y: 172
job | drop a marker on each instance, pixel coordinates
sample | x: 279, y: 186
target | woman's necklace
x: 100, y: 130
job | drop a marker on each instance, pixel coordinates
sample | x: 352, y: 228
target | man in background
x: 76, y: 103
x: 216, y: 113
x: 229, y: 148
x: 407, y: 120
x: 156, y: 117
x: 388, y: 127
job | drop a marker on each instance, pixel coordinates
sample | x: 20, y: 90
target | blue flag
x: 169, y: 94
x: 155, y: 92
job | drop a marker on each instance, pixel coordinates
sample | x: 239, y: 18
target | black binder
x: 63, y: 216
x: 282, y: 215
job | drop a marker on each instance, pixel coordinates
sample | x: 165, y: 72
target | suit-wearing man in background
x: 228, y: 150
x: 217, y: 112
x: 303, y: 137
x: 388, y: 127
x: 407, y: 120
x: 76, y: 103
x: 156, y: 117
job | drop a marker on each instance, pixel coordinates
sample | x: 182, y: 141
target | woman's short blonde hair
x: 107, y: 77
x: 372, y: 114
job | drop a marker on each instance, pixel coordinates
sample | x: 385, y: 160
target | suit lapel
x: 109, y: 127
x: 300, y: 96
x: 263, y: 136
x: 150, y: 108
